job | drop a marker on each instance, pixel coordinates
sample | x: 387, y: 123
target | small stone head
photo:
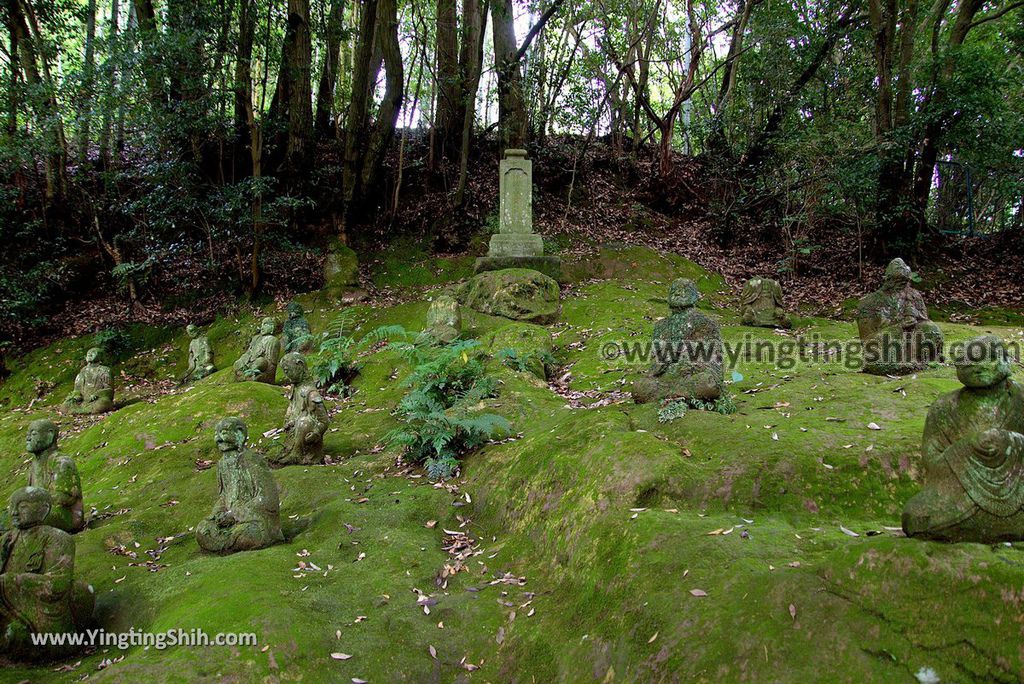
x: 897, y: 275
x: 42, y: 434
x: 29, y: 507
x: 683, y: 294
x: 268, y: 326
x: 93, y: 355
x: 192, y: 331
x: 294, y: 366
x: 295, y: 310
x: 983, y: 362
x: 230, y: 434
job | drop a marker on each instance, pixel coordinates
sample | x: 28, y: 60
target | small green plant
x: 677, y: 408
x: 334, y: 364
x: 114, y: 342
x: 441, y: 421
x: 521, y: 362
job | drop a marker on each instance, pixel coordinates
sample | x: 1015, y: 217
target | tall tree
x: 292, y: 104
x: 329, y: 70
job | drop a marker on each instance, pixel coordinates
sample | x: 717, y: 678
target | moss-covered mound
x: 596, y: 544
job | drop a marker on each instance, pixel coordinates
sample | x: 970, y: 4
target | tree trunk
x: 357, y: 133
x: 292, y: 96
x: 329, y: 73
x: 394, y: 87
x: 447, y: 123
x: 114, y: 89
x: 512, y: 119
x: 470, y: 62
x: 85, y: 101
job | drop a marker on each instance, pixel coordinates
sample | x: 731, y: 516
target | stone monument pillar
x: 516, y: 245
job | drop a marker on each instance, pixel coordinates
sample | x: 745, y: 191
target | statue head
x: 294, y: 366
x: 294, y: 310
x: 42, y: 434
x: 93, y: 355
x: 268, y: 326
x: 29, y: 507
x: 230, y: 434
x: 683, y: 294
x: 983, y: 362
x: 897, y: 275
x: 192, y: 331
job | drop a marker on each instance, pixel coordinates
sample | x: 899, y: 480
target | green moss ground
x: 604, y: 511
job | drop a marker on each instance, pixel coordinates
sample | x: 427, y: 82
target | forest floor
x: 596, y: 544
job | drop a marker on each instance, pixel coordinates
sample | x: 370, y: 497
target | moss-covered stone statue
x: 973, y: 455
x: 444, y: 319
x: 306, y: 419
x: 94, y: 387
x: 687, y: 351
x: 297, y: 335
x: 200, y: 356
x: 57, y: 474
x: 893, y: 324
x: 259, y: 362
x: 38, y: 592
x: 761, y: 304
x: 247, y: 513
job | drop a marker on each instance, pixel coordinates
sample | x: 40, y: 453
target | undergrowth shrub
x: 334, y: 364
x: 440, y: 418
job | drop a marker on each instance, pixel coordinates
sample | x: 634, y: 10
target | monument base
x: 516, y: 245
x: 550, y: 266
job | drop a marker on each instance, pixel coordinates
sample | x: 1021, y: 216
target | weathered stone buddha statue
x: 296, y: 333
x: 893, y: 324
x: 94, y: 387
x: 687, y: 350
x: 306, y: 420
x: 259, y: 362
x: 973, y: 455
x: 761, y: 304
x: 444, y: 320
x: 247, y: 513
x: 38, y: 593
x: 200, y: 356
x: 57, y: 474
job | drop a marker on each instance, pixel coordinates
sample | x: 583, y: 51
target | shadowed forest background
x: 159, y: 160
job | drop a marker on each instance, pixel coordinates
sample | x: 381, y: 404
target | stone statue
x: 296, y: 333
x: 516, y: 245
x: 444, y: 320
x: 247, y: 513
x: 38, y: 593
x: 200, y: 356
x: 259, y: 362
x: 687, y: 350
x: 94, y: 387
x: 58, y: 475
x: 306, y: 419
x: 761, y: 304
x: 893, y: 324
x: 973, y: 455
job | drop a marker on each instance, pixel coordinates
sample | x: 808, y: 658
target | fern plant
x: 439, y: 420
x: 334, y: 364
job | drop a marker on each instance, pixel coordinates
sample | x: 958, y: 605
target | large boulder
x: 518, y: 294
x: 341, y: 269
x: 523, y: 346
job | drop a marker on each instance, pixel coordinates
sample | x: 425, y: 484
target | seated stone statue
x: 58, y: 475
x: 200, y: 356
x: 94, y: 387
x: 296, y: 332
x: 973, y: 455
x: 306, y: 419
x: 259, y: 362
x: 893, y: 324
x: 761, y: 304
x: 38, y: 593
x: 687, y: 350
x: 247, y: 513
x: 444, y: 320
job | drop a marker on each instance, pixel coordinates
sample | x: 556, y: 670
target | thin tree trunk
x: 85, y: 102
x: 446, y: 80
x: 114, y: 88
x: 329, y: 73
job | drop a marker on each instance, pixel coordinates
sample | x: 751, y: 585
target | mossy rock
x: 515, y: 293
x: 341, y: 268
x: 530, y: 343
